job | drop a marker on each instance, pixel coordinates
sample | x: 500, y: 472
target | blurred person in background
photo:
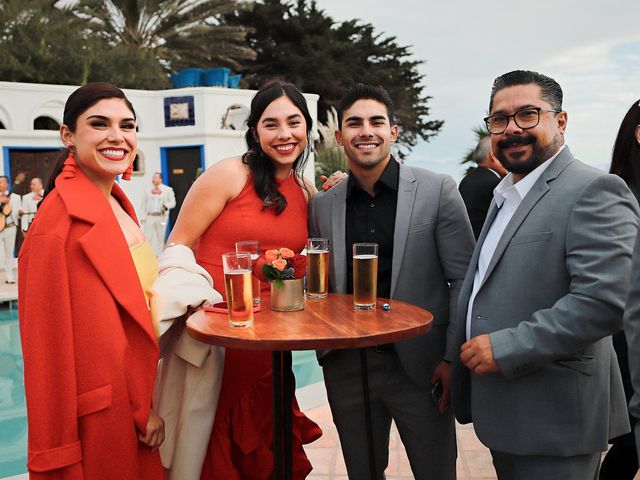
x: 477, y: 186
x: 156, y: 203
x: 10, y: 204
x: 30, y: 203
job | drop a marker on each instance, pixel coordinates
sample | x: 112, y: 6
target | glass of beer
x: 365, y: 275
x: 317, y: 268
x: 252, y: 247
x: 237, y: 283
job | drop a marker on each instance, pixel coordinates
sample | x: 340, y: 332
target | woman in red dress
x: 263, y: 196
x: 90, y: 349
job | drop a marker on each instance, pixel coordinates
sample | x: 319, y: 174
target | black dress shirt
x: 372, y: 219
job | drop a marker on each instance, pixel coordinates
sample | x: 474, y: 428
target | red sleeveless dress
x: 241, y: 441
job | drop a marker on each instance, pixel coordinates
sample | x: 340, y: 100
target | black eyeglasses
x: 526, y: 118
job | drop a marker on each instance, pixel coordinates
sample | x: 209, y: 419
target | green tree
x: 300, y: 43
x: 42, y: 43
x: 128, y: 68
x: 178, y: 33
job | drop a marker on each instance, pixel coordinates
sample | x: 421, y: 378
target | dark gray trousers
x: 428, y: 437
x: 537, y: 467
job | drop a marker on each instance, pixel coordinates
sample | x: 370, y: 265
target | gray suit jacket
x: 632, y: 332
x: 553, y: 294
x: 432, y: 245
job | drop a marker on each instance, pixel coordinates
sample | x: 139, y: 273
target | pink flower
x: 286, y: 253
x: 271, y: 255
x: 279, y: 264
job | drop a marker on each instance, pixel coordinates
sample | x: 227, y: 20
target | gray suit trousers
x: 428, y: 436
x: 539, y: 467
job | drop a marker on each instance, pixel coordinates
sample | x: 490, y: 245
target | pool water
x: 13, y: 414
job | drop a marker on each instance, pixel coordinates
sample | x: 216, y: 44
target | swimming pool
x: 13, y: 414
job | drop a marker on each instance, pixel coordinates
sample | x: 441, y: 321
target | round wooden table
x: 323, y: 324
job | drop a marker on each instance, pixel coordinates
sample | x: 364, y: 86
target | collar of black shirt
x: 389, y: 178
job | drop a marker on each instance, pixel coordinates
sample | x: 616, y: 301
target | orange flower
x: 286, y: 253
x: 279, y: 264
x: 271, y: 255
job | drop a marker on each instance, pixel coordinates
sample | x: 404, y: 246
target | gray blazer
x: 632, y: 332
x: 553, y: 294
x: 432, y: 245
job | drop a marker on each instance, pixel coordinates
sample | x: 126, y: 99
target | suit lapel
x: 120, y: 277
x: 539, y: 190
x: 105, y: 245
x: 404, y: 207
x: 338, y: 219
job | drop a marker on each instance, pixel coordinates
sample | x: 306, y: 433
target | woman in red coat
x: 90, y: 350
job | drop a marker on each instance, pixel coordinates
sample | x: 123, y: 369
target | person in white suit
x: 156, y: 203
x: 10, y: 203
x: 30, y: 203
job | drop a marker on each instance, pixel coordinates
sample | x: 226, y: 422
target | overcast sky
x: 591, y: 47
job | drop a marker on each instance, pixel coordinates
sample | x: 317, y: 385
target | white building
x: 180, y: 131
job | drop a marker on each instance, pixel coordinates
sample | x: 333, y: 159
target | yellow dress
x: 146, y: 265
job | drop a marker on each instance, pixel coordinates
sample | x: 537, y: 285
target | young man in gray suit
x: 425, y: 241
x: 537, y: 373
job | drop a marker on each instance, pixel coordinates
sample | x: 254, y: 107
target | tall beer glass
x: 252, y: 247
x: 365, y: 275
x: 317, y: 268
x: 237, y: 282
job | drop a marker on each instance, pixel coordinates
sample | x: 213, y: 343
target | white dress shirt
x: 508, y: 197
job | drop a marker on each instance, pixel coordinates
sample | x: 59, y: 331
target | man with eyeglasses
x: 545, y: 290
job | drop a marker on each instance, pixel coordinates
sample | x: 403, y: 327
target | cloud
x: 594, y: 53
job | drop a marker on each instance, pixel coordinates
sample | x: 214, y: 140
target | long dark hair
x: 625, y: 159
x: 79, y: 102
x: 261, y: 166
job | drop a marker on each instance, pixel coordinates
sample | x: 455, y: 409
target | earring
x: 127, y: 173
x: 69, y: 167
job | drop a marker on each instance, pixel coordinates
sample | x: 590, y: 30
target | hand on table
x: 477, y: 355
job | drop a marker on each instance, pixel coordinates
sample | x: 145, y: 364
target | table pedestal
x: 282, y: 415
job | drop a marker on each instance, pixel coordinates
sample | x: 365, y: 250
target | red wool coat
x: 90, y: 352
